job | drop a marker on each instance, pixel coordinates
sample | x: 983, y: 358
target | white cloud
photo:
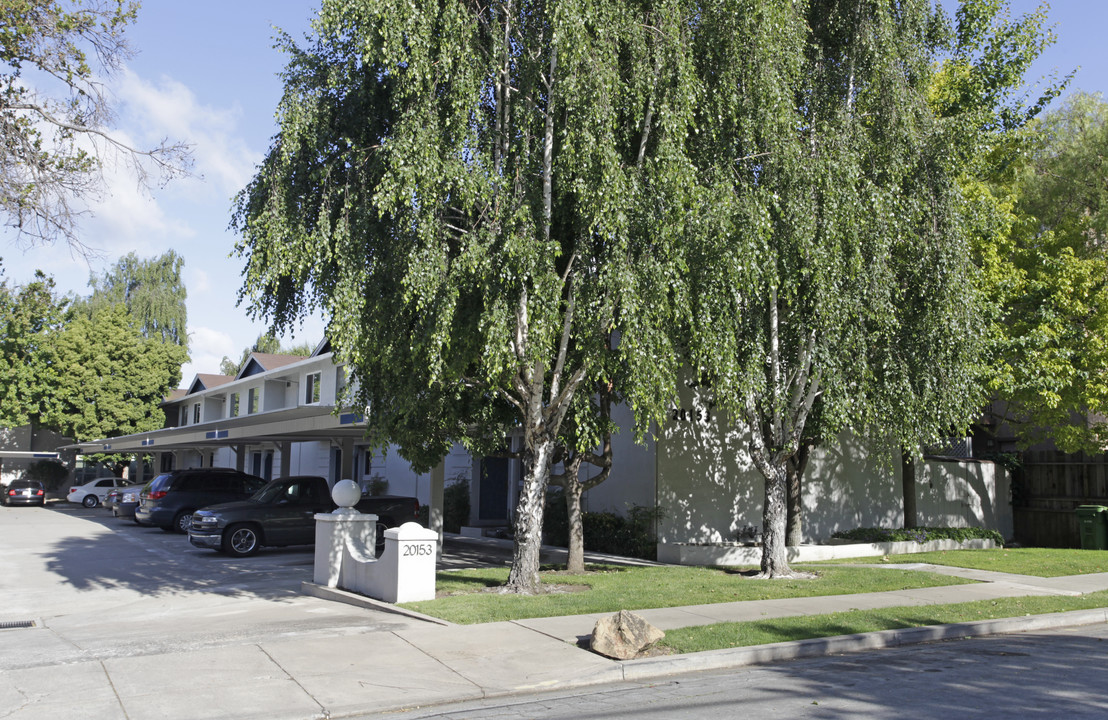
x: 170, y: 109
x: 199, y: 281
x: 207, y: 349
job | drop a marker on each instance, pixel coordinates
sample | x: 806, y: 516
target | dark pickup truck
x: 283, y: 513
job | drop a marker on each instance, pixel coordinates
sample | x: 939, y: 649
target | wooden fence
x: 1046, y: 492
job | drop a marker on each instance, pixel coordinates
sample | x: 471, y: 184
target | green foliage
x: 84, y: 368
x: 477, y: 196
x: 919, y: 534
x: 31, y: 315
x: 435, y: 251
x: 50, y: 473
x: 110, y: 378
x: 455, y: 505
x: 831, y: 273
x: 377, y: 486
x: 1045, y: 270
x: 55, y: 115
x: 152, y: 291
x: 633, y: 535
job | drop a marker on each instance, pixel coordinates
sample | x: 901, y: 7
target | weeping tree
x: 841, y: 274
x: 153, y: 292
x: 476, y: 194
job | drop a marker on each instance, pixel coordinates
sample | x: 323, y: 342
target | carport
x: 279, y: 428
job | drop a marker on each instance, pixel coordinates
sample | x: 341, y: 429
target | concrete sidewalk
x: 301, y: 678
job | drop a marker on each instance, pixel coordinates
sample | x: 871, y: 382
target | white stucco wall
x: 709, y: 489
x: 403, y: 480
x: 631, y: 481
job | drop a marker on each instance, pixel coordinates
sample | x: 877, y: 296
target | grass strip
x: 762, y: 632
x: 1039, y: 562
x: 471, y: 596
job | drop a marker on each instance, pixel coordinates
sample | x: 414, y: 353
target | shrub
x: 605, y: 532
x: 921, y: 534
x: 377, y: 486
x: 50, y: 473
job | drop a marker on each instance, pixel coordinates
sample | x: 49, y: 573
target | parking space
x: 96, y: 586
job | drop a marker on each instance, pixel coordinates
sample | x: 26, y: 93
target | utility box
x: 1093, y: 521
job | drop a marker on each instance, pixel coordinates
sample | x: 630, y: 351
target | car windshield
x: 272, y: 492
x: 26, y: 484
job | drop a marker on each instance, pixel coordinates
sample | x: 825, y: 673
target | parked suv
x: 169, y: 500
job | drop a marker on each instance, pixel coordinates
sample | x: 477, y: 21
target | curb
x: 336, y: 595
x: 649, y: 668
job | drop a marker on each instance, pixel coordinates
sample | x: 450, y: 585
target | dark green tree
x: 110, y: 378
x: 476, y: 194
x: 31, y: 315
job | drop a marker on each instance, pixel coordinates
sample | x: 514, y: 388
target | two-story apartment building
x: 278, y: 416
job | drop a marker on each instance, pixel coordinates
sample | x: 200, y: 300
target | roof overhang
x: 301, y: 424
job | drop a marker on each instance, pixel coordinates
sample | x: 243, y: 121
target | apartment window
x: 234, y: 405
x: 196, y: 413
x: 252, y: 401
x: 184, y: 416
x: 311, y: 388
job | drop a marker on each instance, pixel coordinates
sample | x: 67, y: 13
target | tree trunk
x: 524, y: 575
x: 775, y: 559
x: 794, y: 523
x: 908, y: 487
x: 575, y: 560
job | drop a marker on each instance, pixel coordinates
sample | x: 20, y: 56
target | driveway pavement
x: 133, y: 623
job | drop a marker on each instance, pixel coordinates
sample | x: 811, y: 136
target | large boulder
x: 623, y: 636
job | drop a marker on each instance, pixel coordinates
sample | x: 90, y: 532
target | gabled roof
x: 264, y: 362
x: 322, y: 348
x: 207, y: 381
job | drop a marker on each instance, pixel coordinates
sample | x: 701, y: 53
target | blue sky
x: 206, y: 72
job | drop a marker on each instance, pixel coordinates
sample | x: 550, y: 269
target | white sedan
x: 93, y: 493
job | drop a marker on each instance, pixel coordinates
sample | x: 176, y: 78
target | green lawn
x: 726, y: 635
x: 1040, y: 562
x: 470, y: 596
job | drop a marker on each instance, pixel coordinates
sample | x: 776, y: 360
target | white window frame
x: 312, y: 391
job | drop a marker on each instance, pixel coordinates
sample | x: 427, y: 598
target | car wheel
x: 182, y: 521
x: 240, y: 540
x: 90, y: 501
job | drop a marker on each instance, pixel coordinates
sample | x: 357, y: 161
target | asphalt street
x: 1055, y: 674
